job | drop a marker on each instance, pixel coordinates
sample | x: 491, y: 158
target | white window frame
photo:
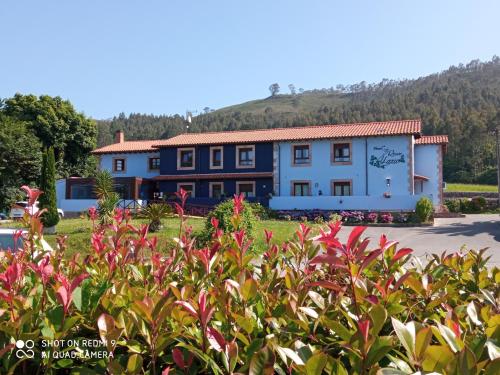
x: 239, y: 183
x: 238, y: 165
x: 211, y: 188
x: 221, y: 166
x: 192, y: 184
x: 179, y: 153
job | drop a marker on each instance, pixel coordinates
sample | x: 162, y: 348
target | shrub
x: 371, y: 217
x: 466, y: 205
x: 224, y: 213
x: 453, y: 204
x: 334, y: 217
x: 478, y: 203
x: 154, y: 213
x: 386, y: 218
x: 107, y: 198
x: 48, y: 199
x: 424, y: 209
x: 354, y: 308
x: 319, y: 219
x: 352, y: 216
x: 401, y: 218
x: 262, y: 212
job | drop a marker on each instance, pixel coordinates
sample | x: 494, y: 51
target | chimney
x: 119, y: 136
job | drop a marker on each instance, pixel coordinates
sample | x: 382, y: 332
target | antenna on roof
x: 189, y: 118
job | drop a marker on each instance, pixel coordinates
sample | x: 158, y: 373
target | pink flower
x: 93, y: 213
x: 33, y: 194
x: 65, y: 291
x: 238, y: 204
x: 269, y: 235
x: 43, y: 269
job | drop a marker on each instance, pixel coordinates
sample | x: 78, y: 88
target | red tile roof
x: 208, y: 176
x: 128, y: 146
x: 432, y: 140
x: 404, y: 127
x: 420, y: 177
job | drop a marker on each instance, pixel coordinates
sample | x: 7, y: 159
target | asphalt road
x: 473, y: 231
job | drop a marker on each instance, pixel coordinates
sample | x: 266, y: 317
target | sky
x: 169, y: 56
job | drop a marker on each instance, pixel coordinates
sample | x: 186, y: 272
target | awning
x: 420, y: 177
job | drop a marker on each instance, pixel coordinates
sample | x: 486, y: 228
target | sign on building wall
x: 385, y: 156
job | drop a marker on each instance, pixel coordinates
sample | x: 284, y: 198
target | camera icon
x: 21, y: 345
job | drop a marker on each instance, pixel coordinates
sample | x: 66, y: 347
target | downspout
x: 366, y: 166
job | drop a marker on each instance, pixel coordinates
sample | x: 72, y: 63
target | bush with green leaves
x: 479, y: 203
x: 48, y: 200
x: 155, y: 212
x: 107, y: 198
x: 224, y: 214
x: 424, y: 209
x: 312, y: 306
x: 453, y: 205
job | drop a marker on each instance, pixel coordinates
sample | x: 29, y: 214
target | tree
x: 48, y: 200
x: 274, y: 89
x: 56, y: 124
x: 291, y: 87
x: 107, y: 198
x: 20, y: 160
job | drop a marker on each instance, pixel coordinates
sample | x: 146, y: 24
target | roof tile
x: 432, y: 140
x: 296, y: 133
x: 127, y: 146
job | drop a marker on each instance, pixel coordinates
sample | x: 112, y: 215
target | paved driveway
x: 474, y: 231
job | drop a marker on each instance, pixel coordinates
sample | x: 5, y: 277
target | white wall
x: 395, y: 203
x: 427, y: 162
x: 136, y: 164
x: 322, y: 172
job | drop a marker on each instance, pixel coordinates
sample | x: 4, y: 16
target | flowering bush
x: 309, y: 306
x: 402, y: 218
x: 386, y: 218
x: 371, y: 217
x: 352, y: 216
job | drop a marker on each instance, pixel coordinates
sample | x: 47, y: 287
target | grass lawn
x: 78, y: 231
x: 471, y: 188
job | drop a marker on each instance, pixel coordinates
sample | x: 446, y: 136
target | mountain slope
x: 463, y: 102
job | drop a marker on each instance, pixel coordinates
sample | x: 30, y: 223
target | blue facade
x: 263, y: 160
x: 263, y: 156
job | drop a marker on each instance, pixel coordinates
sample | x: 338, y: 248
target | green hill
x: 462, y: 101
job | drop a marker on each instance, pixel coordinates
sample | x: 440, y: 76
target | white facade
x: 429, y: 163
x: 136, y: 164
x: 380, y: 174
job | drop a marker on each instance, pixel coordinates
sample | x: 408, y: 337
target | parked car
x: 17, y: 210
x: 7, y: 240
x: 3, y: 216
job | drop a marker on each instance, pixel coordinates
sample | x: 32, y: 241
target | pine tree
x: 48, y: 199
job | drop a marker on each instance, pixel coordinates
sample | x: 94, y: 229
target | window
x: 247, y: 188
x: 119, y: 165
x: 342, y: 152
x: 188, y: 187
x: 154, y: 163
x: 216, y: 158
x: 82, y: 192
x: 342, y: 187
x: 185, y: 158
x: 123, y: 190
x: 216, y: 190
x: 301, y: 188
x: 301, y: 154
x: 245, y: 156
